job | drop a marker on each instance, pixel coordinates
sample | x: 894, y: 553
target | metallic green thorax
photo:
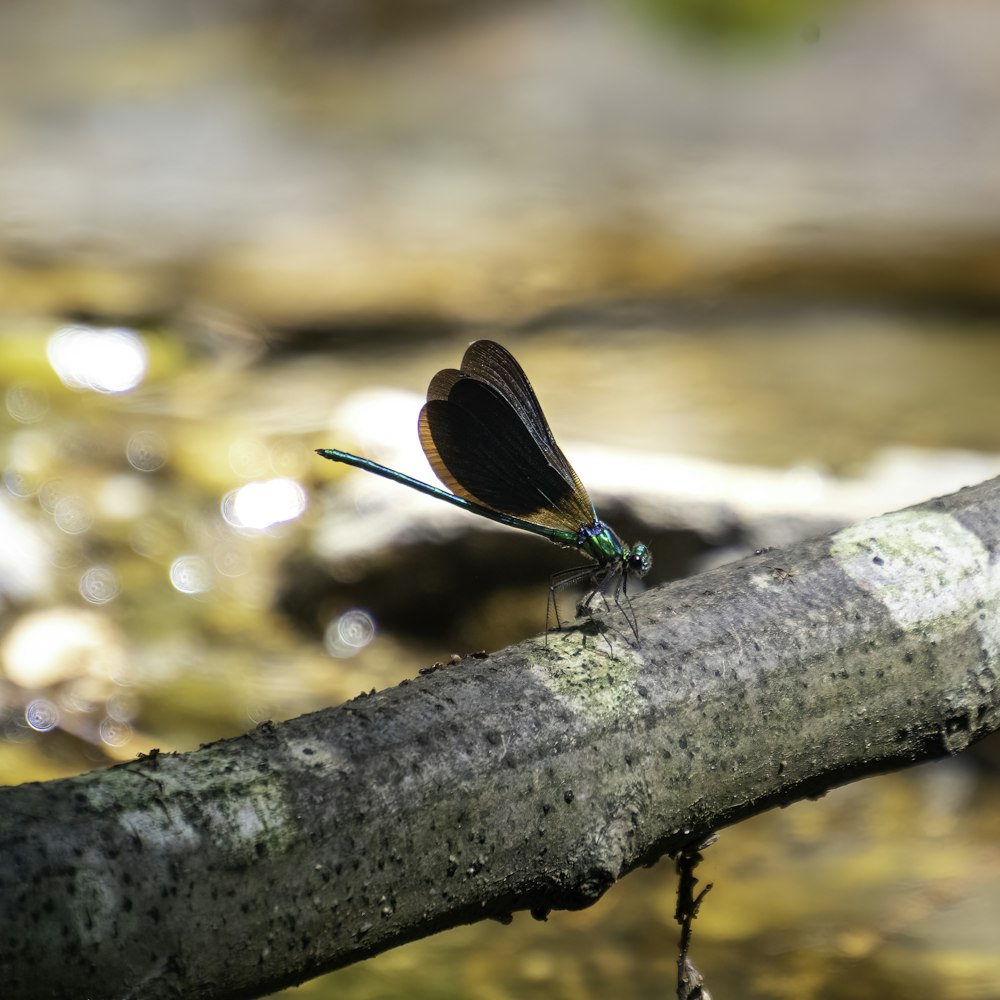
x: 606, y: 548
x: 601, y: 543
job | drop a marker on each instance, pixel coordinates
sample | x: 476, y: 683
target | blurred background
x: 749, y: 254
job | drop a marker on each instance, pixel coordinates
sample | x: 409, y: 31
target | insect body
x: 486, y: 438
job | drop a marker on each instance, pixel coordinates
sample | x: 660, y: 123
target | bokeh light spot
x: 122, y: 707
x: 27, y: 403
x: 259, y: 505
x: 146, y: 451
x: 191, y: 574
x: 108, y: 360
x: 19, y: 484
x: 61, y: 644
x: 99, y: 585
x: 42, y: 714
x: 72, y: 515
x: 349, y: 634
x: 114, y: 733
x: 50, y: 493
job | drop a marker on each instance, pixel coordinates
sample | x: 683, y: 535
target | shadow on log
x: 527, y: 780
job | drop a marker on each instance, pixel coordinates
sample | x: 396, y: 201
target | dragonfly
x: 486, y: 438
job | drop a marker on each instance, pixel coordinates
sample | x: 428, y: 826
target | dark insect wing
x: 493, y: 364
x: 488, y: 442
x: 481, y: 451
x: 467, y: 435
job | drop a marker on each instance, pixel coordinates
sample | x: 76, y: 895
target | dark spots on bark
x: 957, y: 724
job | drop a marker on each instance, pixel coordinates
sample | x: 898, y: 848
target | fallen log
x: 529, y: 779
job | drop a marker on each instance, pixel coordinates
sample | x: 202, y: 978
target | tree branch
x: 531, y: 779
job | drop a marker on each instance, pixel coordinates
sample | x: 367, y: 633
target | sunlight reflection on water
x: 109, y: 360
x: 259, y: 505
x: 348, y: 634
x: 99, y: 585
x: 191, y: 574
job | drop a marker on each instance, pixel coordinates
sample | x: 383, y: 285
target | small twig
x: 690, y: 984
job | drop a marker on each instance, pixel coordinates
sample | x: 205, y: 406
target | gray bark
x: 530, y: 779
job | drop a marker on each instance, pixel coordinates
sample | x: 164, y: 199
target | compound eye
x: 640, y: 560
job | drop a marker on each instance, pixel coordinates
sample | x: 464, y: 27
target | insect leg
x: 564, y: 578
x: 621, y: 590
